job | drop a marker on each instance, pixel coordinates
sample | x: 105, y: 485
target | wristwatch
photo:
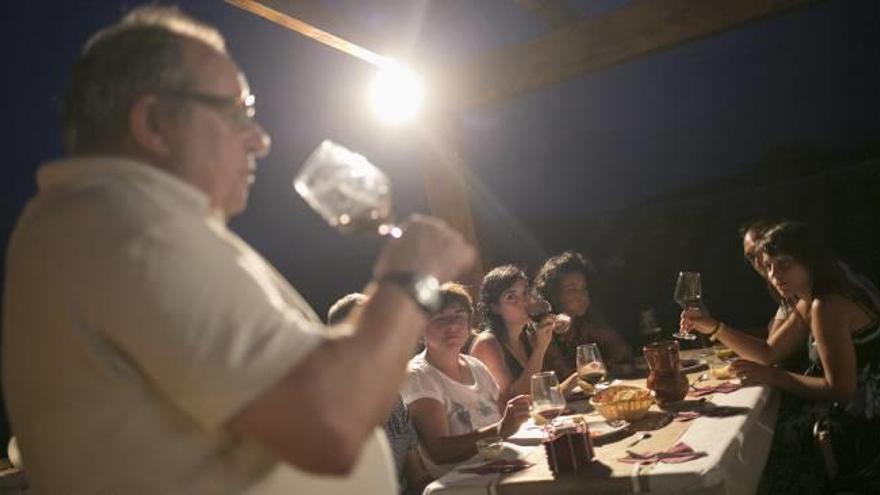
x: 424, y: 289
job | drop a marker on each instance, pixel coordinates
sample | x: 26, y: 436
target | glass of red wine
x: 348, y: 191
x: 547, y: 399
x: 590, y: 366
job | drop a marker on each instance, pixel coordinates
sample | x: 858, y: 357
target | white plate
x: 693, y: 365
x: 600, y: 428
x: 531, y: 434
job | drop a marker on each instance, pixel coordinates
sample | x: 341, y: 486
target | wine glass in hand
x: 688, y: 292
x: 539, y: 309
x: 348, y: 191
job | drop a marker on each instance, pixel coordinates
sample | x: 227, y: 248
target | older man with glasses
x: 146, y: 347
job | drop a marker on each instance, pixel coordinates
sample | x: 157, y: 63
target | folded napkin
x: 684, y: 416
x: 679, y: 453
x: 498, y: 466
x: 721, y: 388
x: 709, y: 409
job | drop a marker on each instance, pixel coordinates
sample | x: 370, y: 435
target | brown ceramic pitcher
x: 665, y: 378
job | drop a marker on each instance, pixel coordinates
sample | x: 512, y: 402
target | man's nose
x: 259, y: 141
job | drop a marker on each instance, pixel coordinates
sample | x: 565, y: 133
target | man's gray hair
x: 140, y: 54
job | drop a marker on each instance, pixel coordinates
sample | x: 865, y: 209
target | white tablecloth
x: 475, y: 484
x: 737, y: 448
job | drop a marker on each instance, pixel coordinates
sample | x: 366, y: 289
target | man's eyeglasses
x: 239, y: 109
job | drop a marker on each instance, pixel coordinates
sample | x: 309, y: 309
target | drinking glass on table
x: 547, y: 399
x: 688, y: 293
x: 348, y: 191
x: 649, y: 329
x: 590, y: 366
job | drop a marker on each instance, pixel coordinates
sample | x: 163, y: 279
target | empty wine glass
x: 688, y: 292
x: 547, y: 399
x: 648, y: 326
x: 348, y: 191
x: 590, y: 366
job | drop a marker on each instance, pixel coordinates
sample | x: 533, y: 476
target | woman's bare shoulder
x: 486, y: 340
x: 840, y: 308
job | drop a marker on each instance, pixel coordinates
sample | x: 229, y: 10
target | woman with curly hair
x: 840, y: 312
x: 564, y: 280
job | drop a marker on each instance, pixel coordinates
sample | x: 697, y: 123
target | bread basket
x: 622, y: 402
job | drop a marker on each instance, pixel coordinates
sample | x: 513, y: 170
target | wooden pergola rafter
x: 573, y: 47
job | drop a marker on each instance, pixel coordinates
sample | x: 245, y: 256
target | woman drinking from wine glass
x: 841, y: 329
x: 452, y: 398
x: 564, y: 281
x: 510, y: 345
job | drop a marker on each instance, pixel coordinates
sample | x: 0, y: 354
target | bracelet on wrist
x: 713, y: 335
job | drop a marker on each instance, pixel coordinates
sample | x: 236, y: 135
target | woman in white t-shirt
x: 452, y: 397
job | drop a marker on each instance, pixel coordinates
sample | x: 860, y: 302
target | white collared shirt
x: 135, y: 325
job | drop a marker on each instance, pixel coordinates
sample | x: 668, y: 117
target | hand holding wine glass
x: 516, y: 412
x: 353, y: 195
x: 688, y: 294
x: 540, y: 312
x: 697, y: 319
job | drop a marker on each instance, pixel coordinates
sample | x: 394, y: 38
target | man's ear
x: 147, y: 125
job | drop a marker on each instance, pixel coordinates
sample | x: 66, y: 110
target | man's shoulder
x: 114, y: 188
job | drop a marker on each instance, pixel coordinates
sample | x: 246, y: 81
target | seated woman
x: 840, y: 325
x: 452, y: 399
x: 509, y: 345
x: 564, y: 281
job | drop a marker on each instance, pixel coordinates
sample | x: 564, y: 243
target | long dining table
x: 735, y: 444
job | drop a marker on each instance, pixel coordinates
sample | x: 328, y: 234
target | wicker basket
x: 632, y: 409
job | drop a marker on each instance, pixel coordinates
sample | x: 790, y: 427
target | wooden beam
x: 645, y: 26
x: 310, y: 31
x: 446, y: 178
x: 555, y: 13
x: 443, y: 172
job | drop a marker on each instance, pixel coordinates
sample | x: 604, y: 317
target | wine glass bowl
x: 349, y: 192
x: 590, y: 366
x: 539, y: 308
x: 547, y: 399
x: 688, y: 294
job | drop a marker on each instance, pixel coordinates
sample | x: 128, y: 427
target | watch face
x: 427, y: 291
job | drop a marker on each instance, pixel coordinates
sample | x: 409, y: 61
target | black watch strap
x: 423, y: 289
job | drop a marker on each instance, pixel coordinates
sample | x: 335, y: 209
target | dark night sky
x: 697, y: 113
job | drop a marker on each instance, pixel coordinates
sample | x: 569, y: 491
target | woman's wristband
x: 713, y: 335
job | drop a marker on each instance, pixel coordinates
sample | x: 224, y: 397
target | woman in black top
x: 509, y: 345
x: 841, y: 330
